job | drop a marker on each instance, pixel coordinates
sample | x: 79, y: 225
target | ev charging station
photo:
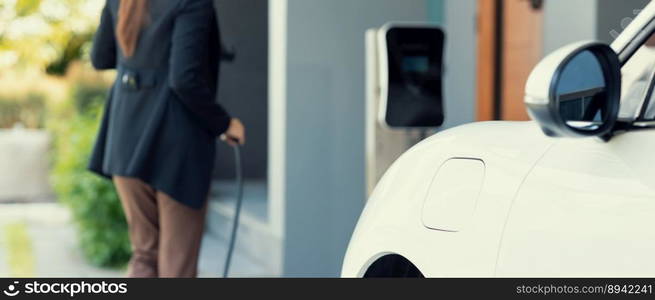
x: 404, y: 91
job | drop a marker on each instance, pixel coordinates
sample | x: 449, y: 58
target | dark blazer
x: 161, y: 120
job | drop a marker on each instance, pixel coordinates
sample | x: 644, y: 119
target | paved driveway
x: 38, y: 240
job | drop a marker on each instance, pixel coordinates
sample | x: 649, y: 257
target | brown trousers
x: 165, y: 234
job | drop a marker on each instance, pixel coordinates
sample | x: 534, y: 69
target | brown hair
x: 132, y: 16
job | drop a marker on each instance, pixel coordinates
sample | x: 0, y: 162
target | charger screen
x: 415, y: 61
x: 416, y: 64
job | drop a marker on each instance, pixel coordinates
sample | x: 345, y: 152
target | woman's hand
x: 235, y: 134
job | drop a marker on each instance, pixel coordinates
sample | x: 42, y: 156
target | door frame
x: 500, y: 82
x: 489, y: 54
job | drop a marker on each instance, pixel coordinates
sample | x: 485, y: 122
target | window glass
x: 635, y: 80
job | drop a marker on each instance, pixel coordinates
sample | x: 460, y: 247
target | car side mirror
x: 576, y: 91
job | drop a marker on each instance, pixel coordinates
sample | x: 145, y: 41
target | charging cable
x: 237, y: 214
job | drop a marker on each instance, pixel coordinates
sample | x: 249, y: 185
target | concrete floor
x: 49, y: 247
x: 38, y: 239
x: 256, y: 251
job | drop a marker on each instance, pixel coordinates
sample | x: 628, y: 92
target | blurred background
x: 299, y: 85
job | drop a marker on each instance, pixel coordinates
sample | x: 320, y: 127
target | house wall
x: 323, y: 162
x: 243, y: 84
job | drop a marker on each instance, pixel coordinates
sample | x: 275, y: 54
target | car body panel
x: 584, y: 211
x: 548, y: 207
x: 453, y: 195
x: 391, y: 222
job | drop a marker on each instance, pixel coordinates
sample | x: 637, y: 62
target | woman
x: 157, y: 137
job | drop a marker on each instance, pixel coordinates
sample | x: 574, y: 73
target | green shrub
x: 95, y: 206
x: 88, y: 97
x: 29, y: 111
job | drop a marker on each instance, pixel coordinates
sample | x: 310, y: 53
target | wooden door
x: 510, y: 43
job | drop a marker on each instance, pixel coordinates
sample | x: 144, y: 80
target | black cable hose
x: 237, y: 214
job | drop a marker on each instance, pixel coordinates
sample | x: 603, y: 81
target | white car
x: 570, y: 194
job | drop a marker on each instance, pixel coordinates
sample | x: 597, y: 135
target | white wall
x: 574, y: 20
x: 568, y: 21
x: 460, y: 62
x: 318, y: 104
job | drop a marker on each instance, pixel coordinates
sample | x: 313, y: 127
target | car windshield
x: 637, y: 74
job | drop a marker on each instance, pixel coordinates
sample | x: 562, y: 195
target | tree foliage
x: 46, y: 34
